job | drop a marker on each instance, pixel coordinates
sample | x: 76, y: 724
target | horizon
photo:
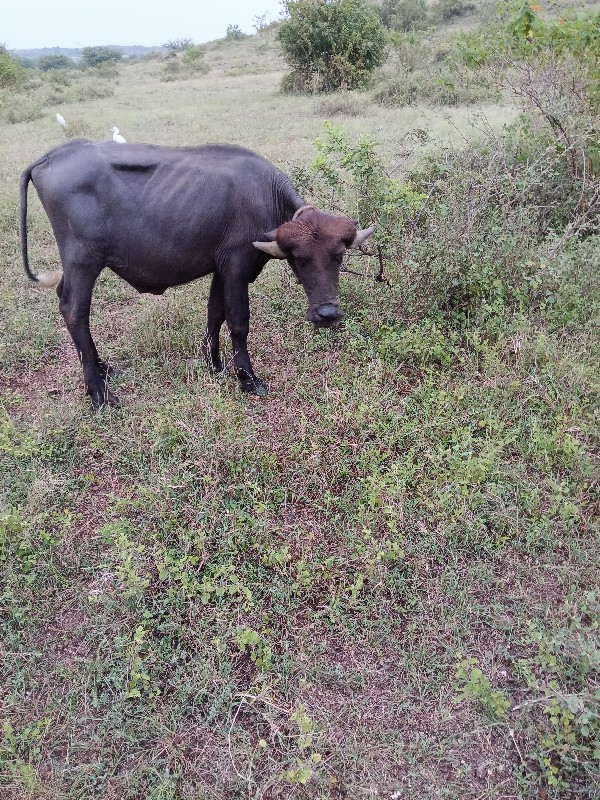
x: 102, y: 44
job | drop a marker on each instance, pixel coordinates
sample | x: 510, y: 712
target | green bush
x: 170, y: 71
x: 193, y: 59
x: 410, y: 50
x: 12, y: 74
x: 91, y: 91
x: 503, y: 215
x: 58, y: 77
x: 405, y: 15
x: 521, y: 32
x: 551, y: 68
x: 53, y: 62
x: 78, y: 128
x: 446, y: 10
x: 191, y: 64
x: 330, y: 44
x: 94, y: 56
x: 234, y: 32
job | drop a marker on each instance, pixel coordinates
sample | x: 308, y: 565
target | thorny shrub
x: 552, y: 67
x: 490, y: 226
x: 464, y: 230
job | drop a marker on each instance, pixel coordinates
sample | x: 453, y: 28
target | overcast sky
x: 80, y: 23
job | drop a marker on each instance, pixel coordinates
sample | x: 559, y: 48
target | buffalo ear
x: 270, y: 248
x: 302, y: 210
x: 361, y: 236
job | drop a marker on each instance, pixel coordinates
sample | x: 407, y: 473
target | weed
x: 474, y: 685
x: 260, y: 652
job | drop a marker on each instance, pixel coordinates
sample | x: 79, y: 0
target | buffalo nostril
x: 329, y: 311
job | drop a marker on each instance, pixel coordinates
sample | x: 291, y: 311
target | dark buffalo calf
x: 164, y: 216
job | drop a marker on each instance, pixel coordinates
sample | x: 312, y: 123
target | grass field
x: 377, y: 582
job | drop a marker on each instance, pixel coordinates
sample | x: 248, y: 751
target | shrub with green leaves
x: 95, y: 56
x: 425, y: 75
x: 12, y: 74
x: 234, y: 32
x: 551, y: 68
x: 26, y: 108
x: 191, y: 64
x: 405, y: 15
x: 330, y: 44
x: 447, y: 10
x: 54, y: 62
x: 193, y: 59
x: 494, y: 223
x: 437, y: 85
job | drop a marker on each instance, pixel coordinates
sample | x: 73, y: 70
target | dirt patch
x: 30, y: 391
x: 63, y: 640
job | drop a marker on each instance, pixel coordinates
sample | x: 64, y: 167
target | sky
x: 83, y: 23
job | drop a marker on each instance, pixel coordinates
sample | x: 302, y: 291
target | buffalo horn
x: 362, y: 235
x: 271, y: 248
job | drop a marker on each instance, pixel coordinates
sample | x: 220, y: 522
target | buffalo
x: 163, y: 216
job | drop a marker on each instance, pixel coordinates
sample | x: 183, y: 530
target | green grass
x: 211, y: 596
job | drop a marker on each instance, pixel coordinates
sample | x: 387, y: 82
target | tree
x: 94, y: 56
x: 259, y: 22
x: 331, y: 44
x: 179, y: 45
x: 57, y: 61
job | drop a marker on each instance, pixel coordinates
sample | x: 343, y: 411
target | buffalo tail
x: 46, y: 279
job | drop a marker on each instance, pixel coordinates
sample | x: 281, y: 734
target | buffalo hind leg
x: 75, y: 293
x: 237, y: 310
x: 216, y: 318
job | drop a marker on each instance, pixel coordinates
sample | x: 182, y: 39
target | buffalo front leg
x: 216, y: 318
x: 75, y: 293
x: 237, y: 311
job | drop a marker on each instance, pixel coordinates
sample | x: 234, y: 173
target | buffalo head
x: 314, y: 243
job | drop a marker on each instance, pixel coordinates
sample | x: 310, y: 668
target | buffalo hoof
x: 104, y: 399
x: 254, y: 386
x: 216, y: 367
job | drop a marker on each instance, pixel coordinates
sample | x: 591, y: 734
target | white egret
x: 117, y: 136
x: 61, y: 120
